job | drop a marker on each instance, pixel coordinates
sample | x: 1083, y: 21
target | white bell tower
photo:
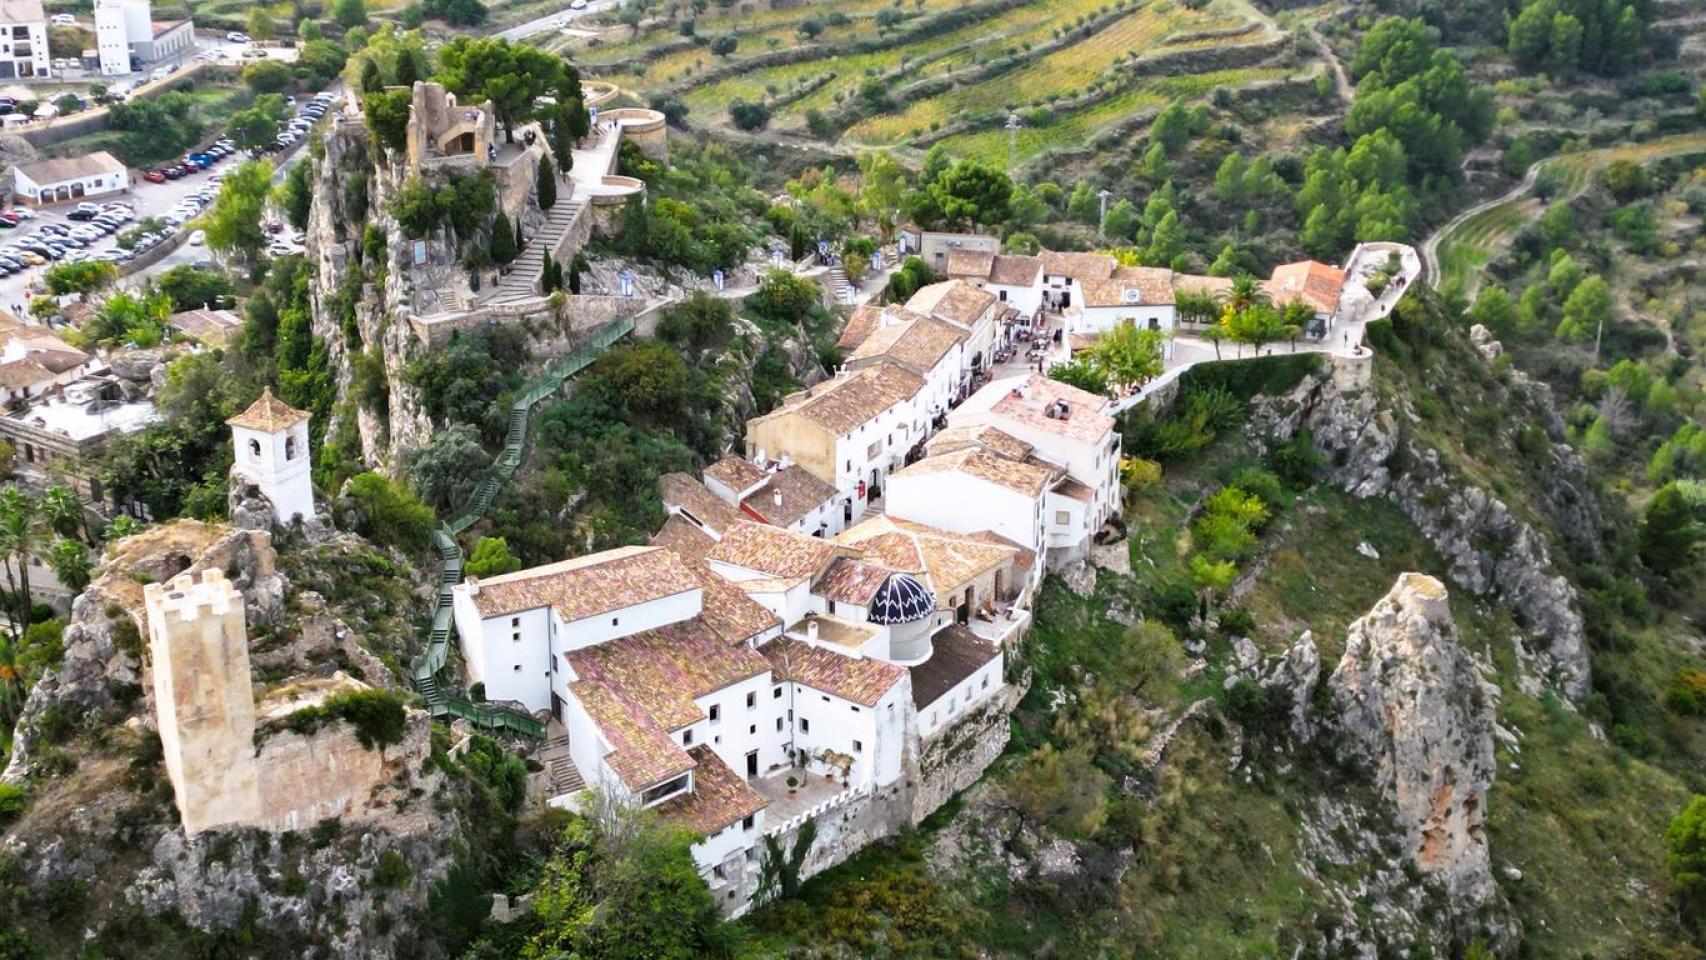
x: 270, y: 447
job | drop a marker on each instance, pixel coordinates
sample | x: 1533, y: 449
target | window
x: 615, y: 620
x: 687, y: 738
x: 855, y: 708
x: 775, y: 693
x: 515, y: 621
x: 747, y: 824
x: 751, y: 700
x: 1062, y: 518
x: 874, y: 449
x: 716, y: 712
x: 778, y: 724
x: 986, y: 681
x: 255, y: 448
x: 717, y: 739
x: 666, y: 789
x: 290, y: 448
x: 752, y: 728
x: 516, y: 668
x: 825, y: 699
x: 805, y: 725
x: 858, y: 747
x: 515, y: 638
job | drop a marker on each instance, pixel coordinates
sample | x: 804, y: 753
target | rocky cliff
x: 1410, y: 709
x: 1489, y: 551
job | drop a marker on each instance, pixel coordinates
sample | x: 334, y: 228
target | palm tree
x: 64, y: 512
x: 1246, y: 292
x: 70, y: 562
x: 20, y: 540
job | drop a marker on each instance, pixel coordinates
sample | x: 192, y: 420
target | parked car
x: 114, y: 255
x: 235, y: 37
x: 63, y: 20
x: 198, y: 238
x: 155, y: 176
x: 80, y: 214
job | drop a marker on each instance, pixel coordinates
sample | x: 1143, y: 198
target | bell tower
x: 270, y: 450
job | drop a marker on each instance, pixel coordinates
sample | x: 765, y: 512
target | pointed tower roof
x: 268, y: 414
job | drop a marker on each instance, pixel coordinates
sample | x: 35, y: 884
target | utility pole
x: 1102, y: 220
x: 1012, y: 143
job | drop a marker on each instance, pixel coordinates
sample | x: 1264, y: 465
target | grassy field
x: 1062, y: 48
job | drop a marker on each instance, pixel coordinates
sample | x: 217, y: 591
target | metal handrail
x: 425, y: 668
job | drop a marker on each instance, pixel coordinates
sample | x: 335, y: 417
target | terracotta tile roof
x: 268, y: 414
x: 919, y: 343
x: 1193, y: 283
x: 1310, y: 281
x: 801, y: 493
x: 732, y: 614
x: 24, y: 372
x: 1075, y: 489
x: 719, y: 798
x: 859, y: 326
x: 863, y: 680
x: 849, y: 580
x: 41, y: 345
x: 1078, y: 266
x: 644, y: 686
x: 46, y: 172
x: 970, y: 263
x: 1015, y: 270
x: 1133, y: 286
x: 1018, y: 476
x: 681, y: 492
x: 845, y: 403
x: 980, y: 436
x: 955, y: 301
x: 947, y: 560
x: 736, y: 473
x: 776, y: 551
x: 586, y: 586
x: 209, y: 326
x: 689, y: 541
x: 956, y: 653
x: 1024, y: 400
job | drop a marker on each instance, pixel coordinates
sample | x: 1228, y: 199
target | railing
x: 425, y: 669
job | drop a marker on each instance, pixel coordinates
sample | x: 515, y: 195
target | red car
x: 155, y: 176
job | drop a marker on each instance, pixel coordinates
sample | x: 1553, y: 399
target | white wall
x: 985, y: 682
x: 1027, y: 300
x: 493, y: 654
x: 957, y: 501
x: 278, y: 464
x: 627, y: 621
x: 1103, y: 319
x: 835, y: 724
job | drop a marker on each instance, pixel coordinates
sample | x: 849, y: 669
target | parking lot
x: 147, y: 200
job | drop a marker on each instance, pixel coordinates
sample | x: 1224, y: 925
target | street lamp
x: 1102, y: 220
x: 1012, y: 143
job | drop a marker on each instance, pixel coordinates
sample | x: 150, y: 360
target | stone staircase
x: 560, y: 767
x: 839, y: 287
x: 523, y: 279
x: 449, y: 301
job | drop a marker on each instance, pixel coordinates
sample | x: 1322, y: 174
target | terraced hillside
x: 906, y: 75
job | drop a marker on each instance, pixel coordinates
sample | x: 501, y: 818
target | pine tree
x: 503, y: 248
x: 547, y: 183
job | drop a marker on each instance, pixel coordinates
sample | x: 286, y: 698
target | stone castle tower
x: 270, y: 450
x: 204, y: 701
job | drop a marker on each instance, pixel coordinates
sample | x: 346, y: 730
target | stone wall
x: 305, y: 778
x: 956, y: 756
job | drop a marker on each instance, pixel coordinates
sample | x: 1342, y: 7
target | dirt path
x: 1430, y: 246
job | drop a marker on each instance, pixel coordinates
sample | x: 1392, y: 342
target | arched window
x: 290, y: 448
x: 255, y: 449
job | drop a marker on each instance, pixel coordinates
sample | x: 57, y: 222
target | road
x: 1430, y: 246
x: 556, y: 21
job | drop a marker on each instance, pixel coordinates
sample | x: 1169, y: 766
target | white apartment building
x: 23, y: 41
x: 706, y: 686
x: 1066, y: 427
x: 1016, y: 280
x: 118, y: 25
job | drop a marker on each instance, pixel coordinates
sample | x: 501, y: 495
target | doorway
x: 751, y: 764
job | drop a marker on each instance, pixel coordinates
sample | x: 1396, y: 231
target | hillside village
x: 530, y: 517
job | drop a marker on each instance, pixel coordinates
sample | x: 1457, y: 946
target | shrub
x: 392, y: 871
x: 389, y: 514
x: 13, y: 800
x: 377, y: 716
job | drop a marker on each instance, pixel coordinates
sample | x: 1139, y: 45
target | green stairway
x: 430, y: 664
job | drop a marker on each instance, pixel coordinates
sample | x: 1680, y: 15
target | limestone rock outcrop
x: 1489, y: 550
x: 1411, y: 708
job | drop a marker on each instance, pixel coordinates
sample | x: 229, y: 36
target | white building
x: 70, y: 178
x: 23, y: 41
x: 976, y: 312
x: 270, y: 450
x: 699, y: 683
x: 935, y: 247
x: 119, y: 24
x: 1016, y: 280
x: 929, y: 347
x: 972, y: 489
x: 34, y: 361
x: 1066, y: 427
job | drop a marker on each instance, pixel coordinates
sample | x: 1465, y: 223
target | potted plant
x: 793, y: 785
x: 836, y: 762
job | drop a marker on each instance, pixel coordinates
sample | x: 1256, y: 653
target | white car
x: 63, y: 20
x: 198, y: 238
x: 235, y: 37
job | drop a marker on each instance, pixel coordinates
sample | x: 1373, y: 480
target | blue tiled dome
x: 901, y: 599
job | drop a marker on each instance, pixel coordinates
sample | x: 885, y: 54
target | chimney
x: 776, y: 497
x: 473, y: 585
x: 811, y: 632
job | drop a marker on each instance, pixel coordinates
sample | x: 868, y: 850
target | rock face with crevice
x: 1411, y: 708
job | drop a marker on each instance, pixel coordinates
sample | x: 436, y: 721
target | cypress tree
x: 547, y: 183
x: 371, y: 81
x: 575, y: 276
x: 545, y: 274
x: 503, y: 241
